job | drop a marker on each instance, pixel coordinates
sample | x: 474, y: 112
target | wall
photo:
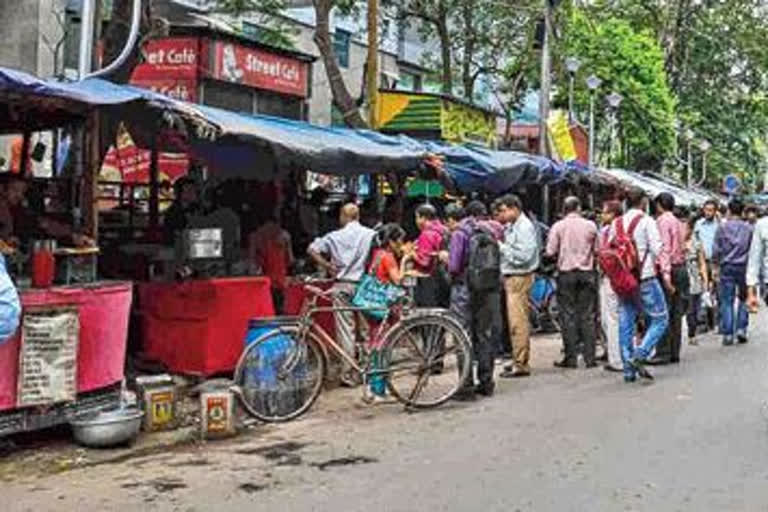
x: 19, y: 26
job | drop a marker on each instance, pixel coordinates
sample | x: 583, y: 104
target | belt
x: 648, y: 279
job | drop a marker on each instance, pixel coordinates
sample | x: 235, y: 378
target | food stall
x: 68, y: 356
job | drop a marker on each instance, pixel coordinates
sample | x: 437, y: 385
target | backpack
x: 483, y: 262
x: 619, y: 261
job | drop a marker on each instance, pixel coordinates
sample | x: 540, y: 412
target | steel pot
x: 108, y: 428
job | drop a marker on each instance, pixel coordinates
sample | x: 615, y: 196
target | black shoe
x: 742, y: 339
x: 727, y: 342
x: 485, y: 390
x: 658, y: 361
x: 437, y: 368
x: 565, y: 363
x: 602, y: 357
x: 611, y: 368
x: 642, y: 371
x: 465, y: 395
x: 675, y: 360
x: 629, y: 380
x: 591, y: 364
x: 514, y: 373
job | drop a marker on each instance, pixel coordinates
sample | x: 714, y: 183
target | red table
x: 199, y: 327
x: 104, y: 311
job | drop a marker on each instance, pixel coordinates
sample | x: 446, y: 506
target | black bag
x: 484, y: 262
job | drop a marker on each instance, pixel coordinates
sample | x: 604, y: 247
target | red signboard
x: 182, y: 89
x: 174, y: 57
x: 258, y: 68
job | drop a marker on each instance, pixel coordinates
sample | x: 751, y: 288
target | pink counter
x: 104, y: 311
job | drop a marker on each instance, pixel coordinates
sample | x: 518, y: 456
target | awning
x: 251, y: 144
x: 654, y: 185
x: 478, y: 169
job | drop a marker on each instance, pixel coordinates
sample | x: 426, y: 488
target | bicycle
x: 424, y: 357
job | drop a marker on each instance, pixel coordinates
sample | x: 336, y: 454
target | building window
x: 235, y: 98
x: 279, y: 105
x: 341, y: 40
x: 409, y: 82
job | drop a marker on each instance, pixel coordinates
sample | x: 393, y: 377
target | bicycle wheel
x: 427, y: 359
x: 279, y: 376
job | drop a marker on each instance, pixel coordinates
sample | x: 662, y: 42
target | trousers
x: 476, y: 314
x: 734, y: 319
x: 576, y: 296
x: 652, y: 304
x: 517, y: 289
x: 609, y: 320
x: 669, y: 345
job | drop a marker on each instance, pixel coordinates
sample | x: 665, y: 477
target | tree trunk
x: 445, y: 51
x: 341, y: 96
x: 468, y: 80
x: 117, y: 33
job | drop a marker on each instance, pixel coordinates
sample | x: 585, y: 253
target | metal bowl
x: 108, y: 428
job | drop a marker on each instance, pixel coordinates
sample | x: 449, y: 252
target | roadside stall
x: 654, y: 185
x: 68, y: 357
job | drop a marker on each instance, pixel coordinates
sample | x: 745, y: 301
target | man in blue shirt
x: 706, y: 229
x: 10, y: 305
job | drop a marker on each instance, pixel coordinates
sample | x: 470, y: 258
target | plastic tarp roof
x: 475, y: 168
x: 241, y: 145
x: 249, y: 142
x: 654, y: 186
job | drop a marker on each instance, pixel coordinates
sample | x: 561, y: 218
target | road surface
x: 695, y: 440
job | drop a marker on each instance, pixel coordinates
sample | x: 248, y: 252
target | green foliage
x: 631, y: 63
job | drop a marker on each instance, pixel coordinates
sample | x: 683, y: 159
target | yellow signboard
x: 560, y: 134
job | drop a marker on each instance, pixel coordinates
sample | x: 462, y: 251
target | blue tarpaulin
x: 246, y: 145
x: 478, y: 169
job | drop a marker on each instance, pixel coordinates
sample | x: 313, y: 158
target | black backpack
x: 484, y: 262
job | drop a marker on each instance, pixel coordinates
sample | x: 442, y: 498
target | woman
x: 696, y: 263
x: 384, y: 265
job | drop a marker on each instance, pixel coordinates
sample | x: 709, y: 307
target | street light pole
x: 572, y: 64
x: 373, y: 62
x: 689, y: 141
x: 592, y: 83
x: 546, y: 86
x: 614, y: 100
x: 704, y: 146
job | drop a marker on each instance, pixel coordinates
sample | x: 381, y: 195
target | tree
x: 717, y: 68
x: 629, y: 62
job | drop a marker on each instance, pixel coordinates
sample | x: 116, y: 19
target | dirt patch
x: 252, y: 488
x: 273, y: 451
x: 190, y: 463
x: 160, y: 485
x: 344, y: 461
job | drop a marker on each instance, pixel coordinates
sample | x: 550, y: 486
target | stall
x: 68, y: 357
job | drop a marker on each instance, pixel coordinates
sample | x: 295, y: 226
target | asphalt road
x: 696, y: 439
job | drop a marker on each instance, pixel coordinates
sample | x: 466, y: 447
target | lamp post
x: 704, y: 146
x: 593, y: 83
x: 572, y: 64
x: 614, y: 100
x: 688, y: 136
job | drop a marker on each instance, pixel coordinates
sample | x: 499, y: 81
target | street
x: 696, y: 439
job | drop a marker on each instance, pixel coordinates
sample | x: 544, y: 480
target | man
x: 751, y: 214
x: 706, y: 228
x: 343, y: 253
x: 573, y: 241
x: 651, y: 301
x: 186, y: 205
x: 731, y: 253
x: 432, y: 287
x: 757, y: 264
x: 19, y: 223
x: 270, y: 248
x: 609, y: 302
x: 519, y: 260
x: 476, y: 309
x: 672, y: 256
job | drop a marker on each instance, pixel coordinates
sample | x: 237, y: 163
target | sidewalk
x: 54, y: 451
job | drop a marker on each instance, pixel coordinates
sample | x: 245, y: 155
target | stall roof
x: 654, y: 185
x: 36, y: 104
x: 476, y: 168
x: 242, y: 145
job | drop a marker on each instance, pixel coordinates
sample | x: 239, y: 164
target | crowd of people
x: 626, y: 278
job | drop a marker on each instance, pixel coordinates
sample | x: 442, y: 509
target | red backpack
x: 618, y: 259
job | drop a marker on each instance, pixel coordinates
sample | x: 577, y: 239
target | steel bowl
x: 108, y: 428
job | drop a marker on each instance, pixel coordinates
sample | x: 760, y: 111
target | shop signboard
x: 48, y: 356
x: 170, y: 67
x: 259, y: 68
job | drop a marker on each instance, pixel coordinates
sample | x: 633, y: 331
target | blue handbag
x: 374, y: 295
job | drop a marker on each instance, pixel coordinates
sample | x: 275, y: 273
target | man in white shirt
x: 651, y: 301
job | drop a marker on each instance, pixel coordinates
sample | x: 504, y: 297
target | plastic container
x: 43, y: 263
